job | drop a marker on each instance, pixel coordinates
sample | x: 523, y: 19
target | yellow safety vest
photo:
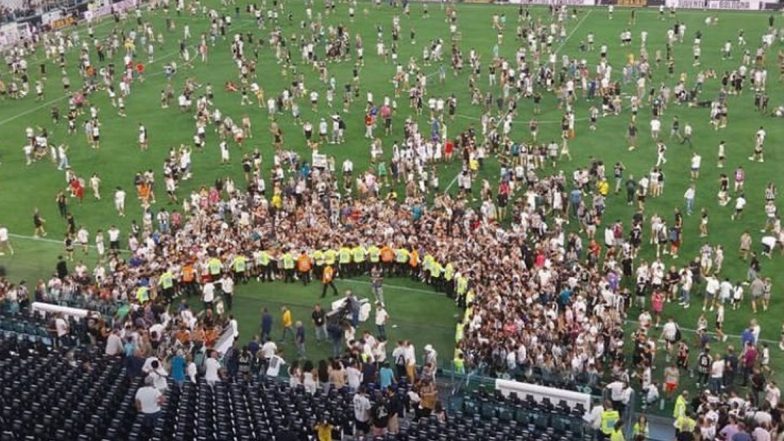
x: 288, y: 261
x: 401, y: 255
x: 318, y: 257
x: 435, y: 269
x: 374, y: 254
x: 239, y: 264
x: 459, y: 365
x: 359, y: 254
x: 345, y: 255
x: 166, y: 280
x: 462, y: 285
x: 609, y: 418
x: 329, y: 257
x: 679, y: 409
x: 214, y: 266
x: 265, y: 258
x: 449, y: 272
x: 142, y: 294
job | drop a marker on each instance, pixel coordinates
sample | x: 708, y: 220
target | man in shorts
x: 671, y: 379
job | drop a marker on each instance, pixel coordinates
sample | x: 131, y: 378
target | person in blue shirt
x: 563, y: 298
x: 747, y: 337
x: 386, y: 376
x: 177, y: 369
x: 574, y: 199
x: 416, y: 212
x: 266, y: 325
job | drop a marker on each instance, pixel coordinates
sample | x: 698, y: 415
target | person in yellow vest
x: 681, y: 402
x: 142, y: 294
x: 427, y: 263
x: 328, y: 281
x: 239, y: 265
x: 449, y: 280
x: 288, y: 266
x: 461, y: 288
x: 318, y: 263
x: 303, y: 267
x: 264, y: 263
x: 344, y: 261
x: 436, y: 276
x: 214, y: 268
x: 166, y: 282
x: 358, y: 255
x: 459, y: 362
x: 684, y: 424
x: 374, y: 255
x: 609, y: 418
x: 401, y: 260
x: 617, y: 432
x: 330, y: 258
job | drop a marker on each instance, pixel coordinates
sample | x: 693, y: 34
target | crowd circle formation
x: 546, y: 281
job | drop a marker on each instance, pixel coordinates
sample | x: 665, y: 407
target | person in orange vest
x: 188, y: 279
x: 387, y: 259
x: 327, y: 281
x: 413, y: 262
x: 303, y: 267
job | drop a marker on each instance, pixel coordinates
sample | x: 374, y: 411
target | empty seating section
x: 495, y: 417
x: 30, y: 327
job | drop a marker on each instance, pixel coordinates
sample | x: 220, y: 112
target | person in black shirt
x: 319, y: 322
x: 380, y: 415
x: 62, y: 268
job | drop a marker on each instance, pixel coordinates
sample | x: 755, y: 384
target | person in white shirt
x: 61, y: 328
x: 5, y: 244
x: 227, y: 286
x: 212, y: 369
x: 740, y: 204
x: 114, y: 344
x: 381, y: 319
x: 208, y: 295
x: 191, y: 370
x: 594, y: 416
x: 148, y: 401
x: 361, y: 412
x: 119, y: 201
x: 716, y: 375
x: 696, y: 162
x: 353, y: 377
x: 689, y: 196
x: 274, y: 363
x: 158, y: 375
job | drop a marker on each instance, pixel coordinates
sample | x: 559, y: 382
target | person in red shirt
x: 369, y: 121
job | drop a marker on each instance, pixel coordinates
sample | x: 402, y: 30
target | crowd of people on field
x: 545, y: 278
